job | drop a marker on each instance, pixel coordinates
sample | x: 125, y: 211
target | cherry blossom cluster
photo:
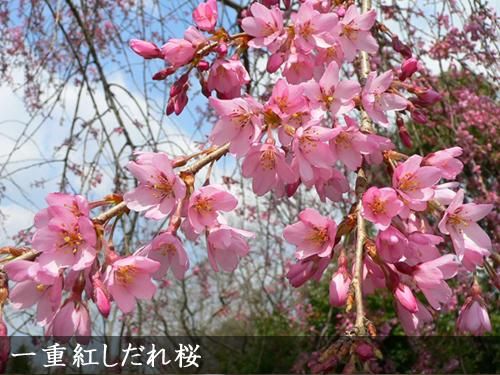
x: 310, y: 131
x: 77, y: 265
x: 404, y: 257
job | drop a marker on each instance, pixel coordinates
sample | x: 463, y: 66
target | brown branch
x: 361, y: 183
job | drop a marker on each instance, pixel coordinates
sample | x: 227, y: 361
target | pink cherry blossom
x: 408, y: 67
x: 330, y: 183
x: 414, y: 183
x: 287, y: 99
x: 332, y: 95
x: 373, y: 276
x: 470, y: 241
x: 349, y: 144
x: 265, y: 25
x: 129, y: 278
x: 473, y: 316
x: 310, y: 150
x: 353, y: 31
x: 167, y: 249
x: 145, y: 49
x: 422, y: 247
x: 412, y: 323
x: 239, y: 123
x: 380, y: 205
x: 391, y: 244
x: 159, y: 187
x: 298, y: 68
x: 66, y: 240
x: 71, y: 320
x: 405, y: 297
x: 311, y: 27
x: 430, y: 277
x: 178, y: 52
x: 266, y: 164
x: 376, y: 101
x: 100, y: 296
x: 331, y: 53
x: 226, y: 246
x: 313, y: 234
x: 35, y: 285
x: 445, y: 193
x: 75, y: 204
x: 205, y: 203
x: 194, y: 36
x: 205, y: 15
x: 311, y: 268
x: 227, y: 77
x: 340, y: 284
x: 446, y: 161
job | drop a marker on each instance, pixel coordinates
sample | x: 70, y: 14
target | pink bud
x: 408, y: 67
x: 292, y: 188
x: 145, y: 49
x: 178, y: 86
x: 180, y: 102
x: 400, y: 47
x: 275, y: 61
x: 164, y: 73
x: 429, y: 97
x: 205, y: 15
x: 403, y: 133
x: 419, y: 117
x: 405, y: 296
x: 339, y: 287
x: 341, y: 11
x: 203, y: 66
x: 221, y: 49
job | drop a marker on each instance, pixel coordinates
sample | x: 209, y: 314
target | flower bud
x: 429, y: 97
x: 408, y: 67
x: 100, y: 297
x: 419, y: 117
x: 403, y: 133
x: 400, y: 47
x: 145, y: 49
x: 275, y: 61
x: 203, y: 66
x: 164, y: 73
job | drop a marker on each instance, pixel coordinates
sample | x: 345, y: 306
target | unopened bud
x: 275, y: 61
x: 203, y: 66
x: 400, y: 47
x: 408, y: 67
x: 100, y: 297
x: 145, y: 49
x: 162, y: 74
x: 429, y: 97
x: 419, y: 117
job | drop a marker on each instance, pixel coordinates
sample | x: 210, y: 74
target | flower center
x: 378, y: 206
x: 457, y: 220
x: 168, y: 248
x: 319, y: 235
x: 408, y: 183
x: 203, y: 205
x: 268, y: 159
x: 350, y: 31
x: 343, y: 140
x: 125, y: 274
x: 163, y: 187
x: 306, y: 30
x: 72, y: 239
